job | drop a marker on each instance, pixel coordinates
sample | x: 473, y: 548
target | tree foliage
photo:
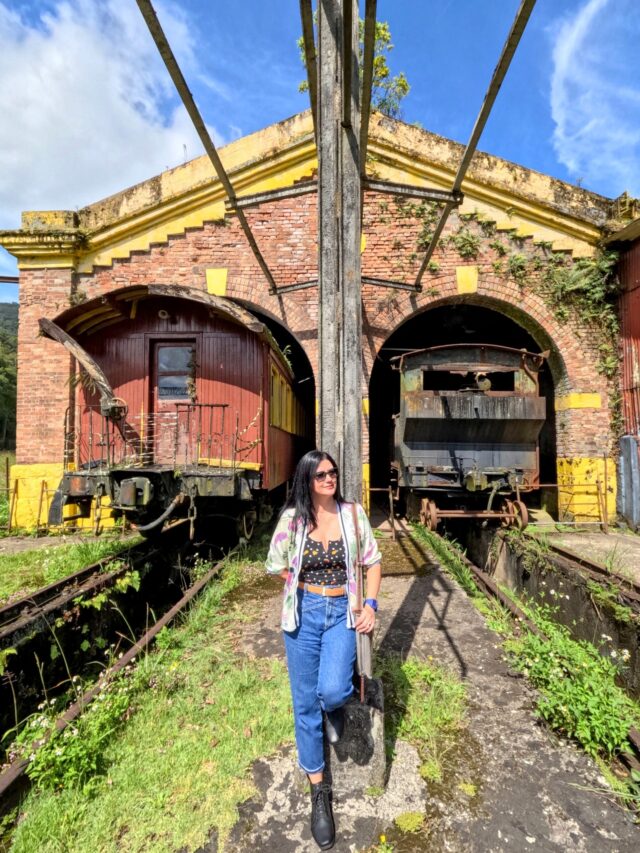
x: 387, y: 92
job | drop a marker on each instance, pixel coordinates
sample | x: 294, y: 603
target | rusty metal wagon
x: 466, y: 439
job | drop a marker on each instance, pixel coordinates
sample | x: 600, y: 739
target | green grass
x: 177, y: 763
x: 4, y: 498
x: 425, y: 705
x: 26, y: 571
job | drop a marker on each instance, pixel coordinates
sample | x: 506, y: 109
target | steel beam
x: 303, y: 188
x: 310, y: 60
x: 367, y: 79
x: 385, y: 282
x: 171, y: 63
x: 509, y: 49
x: 442, y: 196
x: 339, y: 292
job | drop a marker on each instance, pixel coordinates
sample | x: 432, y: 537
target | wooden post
x: 339, y: 291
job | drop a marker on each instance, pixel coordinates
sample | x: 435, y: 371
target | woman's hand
x: 366, y: 620
x: 284, y: 574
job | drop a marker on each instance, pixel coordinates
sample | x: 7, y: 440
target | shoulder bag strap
x: 359, y: 578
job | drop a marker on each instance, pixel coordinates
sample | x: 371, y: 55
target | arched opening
x: 448, y: 324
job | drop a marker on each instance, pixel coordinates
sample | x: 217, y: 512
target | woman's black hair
x: 300, y: 496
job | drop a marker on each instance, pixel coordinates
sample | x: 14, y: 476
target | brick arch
x: 573, y: 359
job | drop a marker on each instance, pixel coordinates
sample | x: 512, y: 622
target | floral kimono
x: 285, y: 553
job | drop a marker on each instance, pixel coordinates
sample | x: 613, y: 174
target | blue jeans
x: 321, y: 653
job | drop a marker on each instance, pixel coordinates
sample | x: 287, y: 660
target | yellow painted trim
x: 365, y: 406
x: 467, y: 279
x: 217, y: 281
x: 578, y: 401
x: 229, y: 463
x: 366, y: 485
x: 578, y: 479
x: 363, y: 242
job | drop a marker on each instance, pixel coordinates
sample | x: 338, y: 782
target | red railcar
x: 185, y: 405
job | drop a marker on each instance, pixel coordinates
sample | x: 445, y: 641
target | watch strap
x: 373, y: 604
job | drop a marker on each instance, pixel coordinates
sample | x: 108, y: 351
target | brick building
x: 494, y: 269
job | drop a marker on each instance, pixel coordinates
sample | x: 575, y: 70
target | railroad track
x: 30, y: 613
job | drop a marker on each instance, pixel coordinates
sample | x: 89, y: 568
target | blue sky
x: 88, y: 109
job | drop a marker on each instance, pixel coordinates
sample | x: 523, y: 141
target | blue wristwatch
x: 373, y: 604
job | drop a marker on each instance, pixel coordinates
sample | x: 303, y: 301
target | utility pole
x: 339, y: 199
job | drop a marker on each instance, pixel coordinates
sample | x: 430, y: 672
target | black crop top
x: 323, y: 567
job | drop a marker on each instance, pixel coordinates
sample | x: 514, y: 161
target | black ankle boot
x: 322, y: 826
x: 335, y: 725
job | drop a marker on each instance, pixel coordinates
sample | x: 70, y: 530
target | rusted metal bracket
x: 171, y: 63
x: 513, y: 39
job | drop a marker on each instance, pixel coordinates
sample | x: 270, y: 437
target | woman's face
x: 325, y: 479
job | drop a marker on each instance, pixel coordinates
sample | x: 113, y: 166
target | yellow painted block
x: 578, y: 497
x: 30, y: 496
x: 506, y: 225
x: 29, y: 480
x: 366, y: 483
x: 363, y: 242
x: 365, y: 406
x: 467, y: 279
x: 578, y: 401
x: 217, y: 281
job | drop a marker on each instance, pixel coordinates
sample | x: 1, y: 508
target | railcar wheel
x: 508, y: 508
x: 247, y: 524
x: 429, y: 514
x: 522, y: 515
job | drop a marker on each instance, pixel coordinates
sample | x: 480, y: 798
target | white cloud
x: 595, y: 94
x: 86, y: 105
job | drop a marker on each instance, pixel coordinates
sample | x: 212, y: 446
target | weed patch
x: 424, y: 705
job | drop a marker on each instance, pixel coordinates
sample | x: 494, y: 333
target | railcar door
x: 173, y: 388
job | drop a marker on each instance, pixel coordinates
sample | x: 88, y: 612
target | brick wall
x: 286, y: 232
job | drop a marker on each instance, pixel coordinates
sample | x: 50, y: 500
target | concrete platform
x: 530, y: 790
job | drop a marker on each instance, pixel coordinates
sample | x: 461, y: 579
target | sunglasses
x: 321, y: 476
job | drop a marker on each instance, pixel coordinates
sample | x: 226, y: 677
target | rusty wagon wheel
x: 508, y: 507
x: 429, y: 514
x: 522, y: 515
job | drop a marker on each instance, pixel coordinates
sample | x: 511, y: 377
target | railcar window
x: 175, y: 372
x: 444, y: 380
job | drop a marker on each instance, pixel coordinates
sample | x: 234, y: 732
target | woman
x: 314, y: 550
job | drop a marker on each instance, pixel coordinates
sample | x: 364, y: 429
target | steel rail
x: 508, y: 51
x: 18, y: 767
x: 310, y: 60
x: 171, y: 63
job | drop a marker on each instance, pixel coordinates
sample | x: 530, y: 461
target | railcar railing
x: 191, y: 435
